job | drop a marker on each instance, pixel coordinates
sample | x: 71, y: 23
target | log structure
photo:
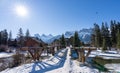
x: 81, y: 52
x: 36, y: 47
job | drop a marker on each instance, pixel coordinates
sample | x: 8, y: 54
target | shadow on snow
x: 44, y: 67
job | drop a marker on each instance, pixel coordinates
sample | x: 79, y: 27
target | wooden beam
x: 81, y: 52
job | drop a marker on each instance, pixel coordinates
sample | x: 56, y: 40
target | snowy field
x: 52, y: 63
x: 60, y: 63
x: 108, y: 55
x: 4, y: 54
x: 113, y: 67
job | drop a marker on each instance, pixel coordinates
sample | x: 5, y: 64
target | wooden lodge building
x: 33, y: 42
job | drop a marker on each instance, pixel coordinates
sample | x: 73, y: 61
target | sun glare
x: 21, y: 10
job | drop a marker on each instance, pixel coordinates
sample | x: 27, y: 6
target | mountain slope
x: 84, y: 36
x: 47, y: 38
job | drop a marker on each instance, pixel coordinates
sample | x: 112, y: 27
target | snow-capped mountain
x: 47, y: 38
x: 68, y: 34
x: 84, y: 35
x: 53, y: 38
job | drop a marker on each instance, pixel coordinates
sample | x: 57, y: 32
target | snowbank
x: 113, y: 67
x: 73, y: 67
x: 84, y: 69
x: 53, y: 63
x: 4, y: 54
x: 105, y: 55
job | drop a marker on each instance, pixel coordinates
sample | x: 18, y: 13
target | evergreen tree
x: 110, y: 37
x: 20, y: 38
x: 27, y: 34
x: 63, y: 41
x: 118, y: 39
x: 15, y: 43
x: 92, y: 39
x: 10, y: 35
x: 20, y: 33
x: 9, y: 38
x: 113, y: 33
x: 97, y: 33
x: 107, y: 36
x: 103, y: 30
x: 118, y: 26
x: 104, y: 44
x: 5, y: 37
x: 71, y: 40
x: 0, y: 38
x: 76, y: 40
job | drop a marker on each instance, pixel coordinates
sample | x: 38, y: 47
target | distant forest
x: 106, y: 36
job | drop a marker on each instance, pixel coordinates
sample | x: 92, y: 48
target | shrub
x: 18, y: 59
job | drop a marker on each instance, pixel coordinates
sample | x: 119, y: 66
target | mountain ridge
x: 84, y: 36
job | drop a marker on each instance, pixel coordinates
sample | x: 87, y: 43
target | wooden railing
x: 36, y: 52
x: 81, y: 52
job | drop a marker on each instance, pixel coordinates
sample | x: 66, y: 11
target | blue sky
x: 57, y: 16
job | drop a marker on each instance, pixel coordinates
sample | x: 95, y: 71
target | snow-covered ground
x: 84, y: 69
x: 73, y: 67
x: 4, y: 54
x: 60, y: 63
x: 105, y: 55
x: 52, y: 63
x: 113, y: 67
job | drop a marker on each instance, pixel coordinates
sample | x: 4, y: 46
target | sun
x: 21, y: 10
